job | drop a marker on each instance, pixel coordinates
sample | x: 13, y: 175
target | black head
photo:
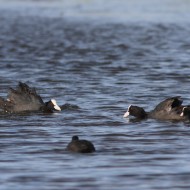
x: 135, y: 111
x: 75, y: 138
x: 52, y: 105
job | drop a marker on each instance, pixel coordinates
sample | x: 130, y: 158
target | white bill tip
x: 56, y: 107
x: 126, y: 114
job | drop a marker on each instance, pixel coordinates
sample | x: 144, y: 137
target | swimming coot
x: 25, y: 98
x: 81, y: 146
x: 169, y: 109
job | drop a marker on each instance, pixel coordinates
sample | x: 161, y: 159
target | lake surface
x: 99, y: 58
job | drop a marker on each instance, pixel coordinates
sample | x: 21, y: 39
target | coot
x: 81, y: 146
x: 169, y: 109
x: 25, y: 98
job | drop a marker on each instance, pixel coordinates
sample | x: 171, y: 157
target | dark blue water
x: 100, y: 65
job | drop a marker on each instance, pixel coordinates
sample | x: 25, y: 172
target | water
x: 102, y: 67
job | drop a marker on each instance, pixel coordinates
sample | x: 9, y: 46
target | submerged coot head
x: 135, y: 111
x: 52, y: 105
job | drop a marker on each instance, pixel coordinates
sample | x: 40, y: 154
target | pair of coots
x: 24, y: 98
x: 169, y: 109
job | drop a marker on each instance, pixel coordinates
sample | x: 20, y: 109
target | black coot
x: 82, y: 146
x: 25, y: 98
x: 169, y: 109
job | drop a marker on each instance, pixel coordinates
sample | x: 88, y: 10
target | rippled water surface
x: 100, y: 68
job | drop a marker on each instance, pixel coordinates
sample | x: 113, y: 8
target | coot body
x: 81, y: 146
x: 25, y: 98
x: 169, y: 109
